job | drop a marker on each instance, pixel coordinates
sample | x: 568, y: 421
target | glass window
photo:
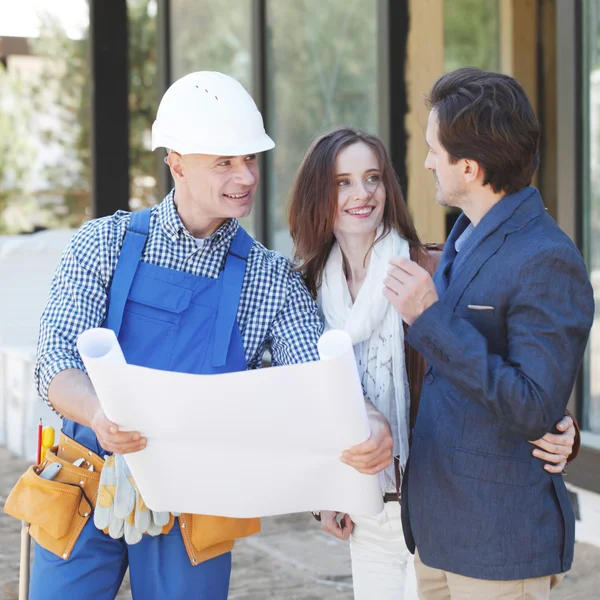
x: 143, y: 102
x: 322, y: 70
x: 45, y: 122
x: 213, y: 36
x: 591, y: 205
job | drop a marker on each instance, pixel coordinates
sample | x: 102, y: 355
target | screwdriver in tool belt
x: 47, y: 440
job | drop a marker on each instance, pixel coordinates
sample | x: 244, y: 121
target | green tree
x: 16, y: 153
x: 61, y: 99
x: 62, y: 96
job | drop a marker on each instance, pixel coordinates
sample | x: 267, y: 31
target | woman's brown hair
x: 314, y: 201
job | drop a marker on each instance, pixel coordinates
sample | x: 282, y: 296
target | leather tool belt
x: 58, y: 510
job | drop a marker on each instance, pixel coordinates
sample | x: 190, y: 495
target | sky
x: 20, y: 18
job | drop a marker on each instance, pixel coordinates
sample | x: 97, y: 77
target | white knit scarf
x: 378, y: 337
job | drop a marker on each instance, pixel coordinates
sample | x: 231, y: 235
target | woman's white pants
x: 382, y: 566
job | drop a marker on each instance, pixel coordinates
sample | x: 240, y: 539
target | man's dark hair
x: 487, y: 117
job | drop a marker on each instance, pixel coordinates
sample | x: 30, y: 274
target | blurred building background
x: 80, y: 83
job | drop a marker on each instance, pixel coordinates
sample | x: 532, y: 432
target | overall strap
x: 233, y: 277
x: 131, y: 252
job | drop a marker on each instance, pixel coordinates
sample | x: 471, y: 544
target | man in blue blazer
x: 503, y: 326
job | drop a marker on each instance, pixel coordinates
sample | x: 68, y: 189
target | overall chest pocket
x: 156, y: 299
x: 152, y: 320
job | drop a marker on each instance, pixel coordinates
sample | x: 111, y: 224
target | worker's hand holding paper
x: 245, y: 444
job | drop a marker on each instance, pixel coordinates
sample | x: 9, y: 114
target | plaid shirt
x: 275, y: 308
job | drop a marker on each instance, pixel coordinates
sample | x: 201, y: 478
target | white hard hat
x: 209, y: 113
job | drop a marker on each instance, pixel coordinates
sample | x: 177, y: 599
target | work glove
x: 104, y: 517
x: 130, y: 506
x: 128, y: 514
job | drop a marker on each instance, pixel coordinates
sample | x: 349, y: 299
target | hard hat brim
x: 216, y: 148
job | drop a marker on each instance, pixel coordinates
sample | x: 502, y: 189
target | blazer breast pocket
x: 482, y: 316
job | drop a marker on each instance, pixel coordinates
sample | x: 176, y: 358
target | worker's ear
x: 175, y: 162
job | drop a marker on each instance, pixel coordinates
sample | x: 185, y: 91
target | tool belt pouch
x: 57, y: 510
x: 209, y: 531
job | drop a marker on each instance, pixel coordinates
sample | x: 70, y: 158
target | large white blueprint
x: 246, y: 444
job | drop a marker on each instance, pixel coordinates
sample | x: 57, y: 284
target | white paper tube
x: 334, y: 343
x: 100, y: 350
x: 100, y: 343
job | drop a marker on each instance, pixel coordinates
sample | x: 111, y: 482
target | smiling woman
x: 348, y: 219
x: 345, y: 171
x: 361, y: 197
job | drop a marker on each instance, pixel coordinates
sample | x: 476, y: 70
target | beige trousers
x: 435, y: 584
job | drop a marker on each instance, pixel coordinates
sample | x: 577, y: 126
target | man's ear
x: 175, y: 162
x: 471, y: 170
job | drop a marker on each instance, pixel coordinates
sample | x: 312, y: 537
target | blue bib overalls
x: 170, y: 320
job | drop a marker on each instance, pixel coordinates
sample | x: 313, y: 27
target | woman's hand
x: 375, y: 454
x: 329, y: 523
x: 555, y: 448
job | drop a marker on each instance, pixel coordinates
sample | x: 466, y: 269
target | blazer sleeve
x: 548, y: 320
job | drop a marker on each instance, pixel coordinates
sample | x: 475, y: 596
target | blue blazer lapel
x: 508, y: 215
x: 442, y: 273
x: 462, y: 276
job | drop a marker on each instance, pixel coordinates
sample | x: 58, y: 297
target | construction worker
x: 185, y: 289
